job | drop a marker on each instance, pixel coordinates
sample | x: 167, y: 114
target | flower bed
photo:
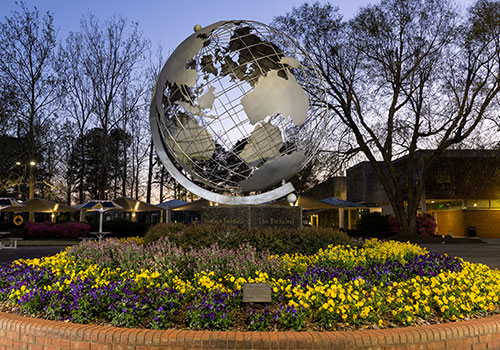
x: 127, y: 284
x: 43, y: 230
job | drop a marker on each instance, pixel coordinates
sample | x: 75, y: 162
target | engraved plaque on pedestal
x: 257, y: 293
x: 253, y: 216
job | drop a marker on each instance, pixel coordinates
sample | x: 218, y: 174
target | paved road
x: 488, y: 254
x: 28, y: 252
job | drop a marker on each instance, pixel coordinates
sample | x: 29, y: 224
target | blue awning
x: 341, y: 203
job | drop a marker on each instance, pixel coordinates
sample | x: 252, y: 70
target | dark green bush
x: 122, y: 228
x: 277, y: 241
x: 374, y: 225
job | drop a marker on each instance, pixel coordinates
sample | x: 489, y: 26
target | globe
x: 238, y: 109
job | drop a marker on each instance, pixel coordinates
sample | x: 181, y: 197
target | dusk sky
x: 168, y: 22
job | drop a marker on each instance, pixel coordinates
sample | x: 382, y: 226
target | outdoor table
x: 100, y: 235
x: 3, y: 234
x: 85, y: 239
x: 12, y: 243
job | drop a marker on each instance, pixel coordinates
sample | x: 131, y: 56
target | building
x: 461, y: 190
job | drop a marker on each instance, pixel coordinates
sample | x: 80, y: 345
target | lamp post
x: 32, y: 179
x: 31, y: 164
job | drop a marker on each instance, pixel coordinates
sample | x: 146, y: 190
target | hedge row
x: 277, y: 241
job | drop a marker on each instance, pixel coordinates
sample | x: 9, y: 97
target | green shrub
x: 426, y: 225
x: 374, y: 225
x: 277, y: 241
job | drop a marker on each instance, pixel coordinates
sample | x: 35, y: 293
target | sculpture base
x: 253, y: 216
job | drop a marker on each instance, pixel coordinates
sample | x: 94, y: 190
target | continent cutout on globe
x: 204, y: 101
x: 274, y: 94
x: 176, y: 71
x: 292, y: 62
x: 207, y: 99
x: 273, y: 171
x: 264, y: 143
x: 192, y: 141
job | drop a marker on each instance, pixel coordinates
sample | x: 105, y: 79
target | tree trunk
x: 150, y: 173
x: 124, y: 176
x: 162, y: 179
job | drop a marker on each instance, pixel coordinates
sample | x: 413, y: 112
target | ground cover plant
x: 161, y: 285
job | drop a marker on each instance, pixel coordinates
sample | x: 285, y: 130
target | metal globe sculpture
x: 232, y: 112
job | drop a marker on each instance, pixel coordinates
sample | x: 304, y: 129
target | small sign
x: 256, y: 293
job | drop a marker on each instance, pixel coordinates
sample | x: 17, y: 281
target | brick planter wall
x: 23, y: 333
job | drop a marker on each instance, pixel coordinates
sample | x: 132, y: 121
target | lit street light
x: 31, y: 164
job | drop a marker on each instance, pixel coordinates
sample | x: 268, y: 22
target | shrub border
x: 17, y: 332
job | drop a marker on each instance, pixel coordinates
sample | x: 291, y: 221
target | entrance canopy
x: 339, y: 203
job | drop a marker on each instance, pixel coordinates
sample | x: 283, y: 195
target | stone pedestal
x: 253, y: 216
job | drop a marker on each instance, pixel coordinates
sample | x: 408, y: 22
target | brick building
x: 461, y: 190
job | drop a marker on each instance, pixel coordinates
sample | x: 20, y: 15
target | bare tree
x: 155, y: 65
x: 112, y: 54
x: 404, y: 75
x: 78, y: 102
x: 27, y: 48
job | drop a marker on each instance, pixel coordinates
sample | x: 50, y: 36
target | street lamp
x: 31, y: 164
x: 32, y: 179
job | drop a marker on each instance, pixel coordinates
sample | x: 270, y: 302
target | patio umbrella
x: 135, y: 206
x: 193, y: 206
x: 130, y: 204
x: 171, y: 204
x: 167, y: 207
x: 40, y: 205
x: 9, y: 202
x: 101, y: 206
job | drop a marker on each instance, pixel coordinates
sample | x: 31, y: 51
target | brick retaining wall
x: 23, y: 333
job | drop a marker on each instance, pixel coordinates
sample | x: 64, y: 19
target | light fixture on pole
x: 32, y: 164
x: 31, y: 175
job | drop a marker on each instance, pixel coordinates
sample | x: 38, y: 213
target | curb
x: 17, y: 332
